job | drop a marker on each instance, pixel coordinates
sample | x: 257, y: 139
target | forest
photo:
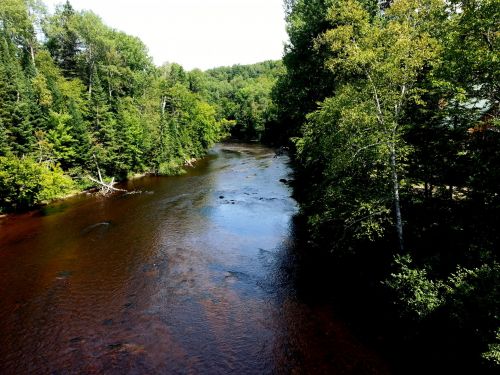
x: 389, y: 109
x: 392, y: 109
x: 78, y: 97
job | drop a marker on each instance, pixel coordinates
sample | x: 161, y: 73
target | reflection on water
x: 195, y: 275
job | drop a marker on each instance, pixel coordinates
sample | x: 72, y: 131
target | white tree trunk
x: 397, y: 202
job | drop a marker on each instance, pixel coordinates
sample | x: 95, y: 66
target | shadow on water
x: 201, y: 274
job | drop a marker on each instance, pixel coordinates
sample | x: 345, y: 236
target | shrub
x: 24, y: 183
x: 171, y: 168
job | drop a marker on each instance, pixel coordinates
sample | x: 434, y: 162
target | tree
x: 378, y: 61
x: 63, y: 41
x: 411, y: 116
x: 88, y: 93
x: 242, y: 93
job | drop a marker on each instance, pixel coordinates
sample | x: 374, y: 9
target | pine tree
x: 15, y: 106
x: 63, y: 42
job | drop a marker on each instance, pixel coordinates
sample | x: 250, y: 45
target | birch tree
x: 379, y: 60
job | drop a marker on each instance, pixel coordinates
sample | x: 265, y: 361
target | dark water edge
x: 353, y: 283
x: 201, y: 273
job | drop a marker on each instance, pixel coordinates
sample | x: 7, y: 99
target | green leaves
x: 493, y: 353
x: 60, y: 141
x: 398, y: 109
x: 417, y: 294
x: 347, y: 144
x: 24, y: 183
x: 89, y: 89
x: 469, y: 297
x: 242, y: 93
x: 377, y: 61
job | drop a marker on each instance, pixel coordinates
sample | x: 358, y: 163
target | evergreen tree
x: 63, y: 41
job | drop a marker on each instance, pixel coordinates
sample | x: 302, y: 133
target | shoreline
x: 189, y: 163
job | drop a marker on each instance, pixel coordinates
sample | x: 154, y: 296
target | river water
x: 197, y: 274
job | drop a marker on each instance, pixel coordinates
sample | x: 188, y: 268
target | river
x: 194, y: 275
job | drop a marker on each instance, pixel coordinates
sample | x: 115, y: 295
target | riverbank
x: 176, y: 280
x: 69, y: 188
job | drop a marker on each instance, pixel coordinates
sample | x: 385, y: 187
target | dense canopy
x: 393, y: 111
x: 77, y: 96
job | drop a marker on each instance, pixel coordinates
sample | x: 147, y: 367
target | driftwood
x: 105, y: 188
x: 190, y: 162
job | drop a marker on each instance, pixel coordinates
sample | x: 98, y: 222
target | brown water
x: 194, y: 275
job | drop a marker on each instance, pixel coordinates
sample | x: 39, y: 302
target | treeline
x: 393, y: 111
x: 76, y: 94
x: 242, y: 94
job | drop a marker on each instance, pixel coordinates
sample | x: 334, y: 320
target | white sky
x: 197, y: 33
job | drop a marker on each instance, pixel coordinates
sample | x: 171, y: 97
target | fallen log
x: 106, y: 188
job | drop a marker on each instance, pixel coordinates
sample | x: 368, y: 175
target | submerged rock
x: 90, y: 228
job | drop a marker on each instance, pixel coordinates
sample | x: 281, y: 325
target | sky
x: 197, y: 33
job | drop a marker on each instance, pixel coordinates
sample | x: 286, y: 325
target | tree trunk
x: 91, y: 70
x: 162, y: 126
x: 90, y: 85
x: 32, y: 53
x: 110, y: 90
x: 397, y: 203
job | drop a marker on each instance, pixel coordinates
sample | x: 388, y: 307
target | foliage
x: 493, y: 353
x: 469, y: 297
x: 170, y: 168
x: 339, y: 141
x: 24, y: 183
x: 393, y: 111
x: 242, y: 93
x: 83, y: 92
x: 377, y: 62
x: 416, y: 293
x: 54, y: 184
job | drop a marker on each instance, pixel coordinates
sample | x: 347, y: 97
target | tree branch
x: 107, y: 187
x: 364, y: 148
